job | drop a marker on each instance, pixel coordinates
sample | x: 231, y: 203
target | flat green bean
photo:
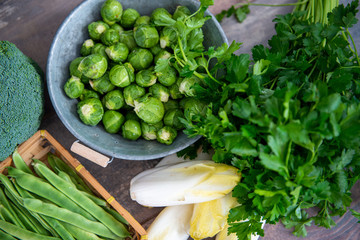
x: 79, y: 233
x: 59, y: 228
x: 21, y: 233
x: 8, y: 216
x: 115, y: 226
x: 20, y: 163
x: 116, y: 215
x: 65, y: 215
x: 4, y: 201
x: 5, y: 236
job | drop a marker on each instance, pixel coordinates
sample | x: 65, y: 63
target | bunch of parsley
x: 289, y: 120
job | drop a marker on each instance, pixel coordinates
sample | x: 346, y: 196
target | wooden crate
x: 41, y: 143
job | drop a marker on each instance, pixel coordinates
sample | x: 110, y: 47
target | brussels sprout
x: 93, y: 66
x: 166, y: 135
x: 113, y: 100
x: 149, y: 109
x: 160, y: 92
x: 181, y: 11
x: 73, y: 87
x: 148, y: 131
x: 127, y: 37
x: 146, y: 36
x: 171, y: 104
x: 167, y: 76
x: 99, y: 48
x: 102, y: 84
x: 187, y: 84
x: 117, y: 52
x: 131, y: 129
x: 155, y: 50
x: 90, y: 111
x: 129, y: 66
x: 174, y: 90
x: 192, y: 107
x: 112, y: 121
x: 171, y: 118
x: 86, y: 47
x: 140, y: 58
x: 87, y: 93
x: 168, y: 36
x: 121, y: 76
x: 133, y: 92
x: 95, y: 29
x: 129, y: 17
x: 201, y: 61
x: 110, y: 37
x: 111, y: 11
x: 163, y: 54
x: 117, y: 27
x: 132, y: 115
x: 161, y: 17
x: 73, y: 68
x: 145, y: 78
x: 142, y: 20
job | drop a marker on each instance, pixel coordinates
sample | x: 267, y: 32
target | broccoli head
x: 21, y: 98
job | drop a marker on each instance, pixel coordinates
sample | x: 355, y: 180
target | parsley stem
x: 247, y: 3
x: 182, y: 50
x: 353, y: 43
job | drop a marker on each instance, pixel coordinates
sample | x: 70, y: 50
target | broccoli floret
x: 21, y: 98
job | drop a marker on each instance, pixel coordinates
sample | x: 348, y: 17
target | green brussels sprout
x: 187, y: 84
x: 172, y: 118
x: 142, y: 20
x: 73, y: 87
x: 181, y: 11
x: 145, y: 78
x: 93, y: 66
x: 112, y: 121
x: 87, y: 93
x: 129, y: 66
x: 167, y: 76
x: 102, y: 84
x: 155, y: 50
x: 174, y: 90
x: 90, y: 111
x: 131, y: 129
x: 111, y: 11
x: 121, y: 76
x: 192, y: 107
x: 163, y: 54
x: 146, y: 36
x: 110, y: 37
x: 73, y: 68
x: 160, y: 92
x: 85, y: 80
x: 148, y: 131
x: 133, y: 92
x: 161, y: 17
x: 168, y: 36
x: 127, y: 37
x: 129, y: 17
x: 99, y: 48
x: 117, y: 52
x: 201, y: 62
x: 113, y: 100
x: 171, y: 104
x: 132, y: 115
x: 149, y: 109
x: 97, y: 28
x: 86, y: 47
x: 140, y: 58
x: 117, y: 27
x: 166, y: 135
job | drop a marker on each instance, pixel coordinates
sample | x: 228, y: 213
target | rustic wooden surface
x: 32, y: 24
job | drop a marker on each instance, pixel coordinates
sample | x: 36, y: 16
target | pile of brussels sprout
x: 115, y: 80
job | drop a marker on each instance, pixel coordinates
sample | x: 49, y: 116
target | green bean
x: 72, y: 181
x: 21, y: 233
x: 59, y: 228
x: 8, y: 216
x: 24, y: 219
x: 5, y: 236
x: 20, y: 163
x: 79, y: 233
x: 44, y: 189
x: 74, y: 194
x: 116, y: 215
x: 6, y: 204
x: 65, y: 215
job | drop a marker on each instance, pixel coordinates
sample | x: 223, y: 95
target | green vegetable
x: 113, y: 121
x: 160, y: 92
x: 74, y: 87
x: 161, y: 17
x: 166, y: 135
x: 133, y: 92
x: 100, y: 48
x: 131, y: 129
x: 127, y: 37
x: 140, y: 58
x: 145, y: 78
x: 95, y: 29
x: 23, y: 233
x: 22, y: 98
x: 167, y: 75
x: 171, y: 104
x: 86, y: 47
x: 87, y: 93
x: 121, y: 75
x: 103, y: 84
x: 117, y: 52
x: 149, y: 131
x: 146, y: 36
x: 113, y: 100
x: 73, y: 67
x: 129, y: 17
x: 168, y: 36
x: 111, y: 11
x: 110, y: 37
x: 181, y: 12
x: 142, y: 20
x: 187, y: 86
x: 93, y: 66
x: 149, y: 109
x: 172, y: 118
x: 90, y: 111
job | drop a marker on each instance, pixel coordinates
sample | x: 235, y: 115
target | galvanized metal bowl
x: 66, y: 47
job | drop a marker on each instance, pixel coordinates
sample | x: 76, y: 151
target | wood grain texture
x: 32, y: 25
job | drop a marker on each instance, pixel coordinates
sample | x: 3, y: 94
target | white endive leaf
x: 183, y: 183
x: 172, y: 223
x: 209, y: 218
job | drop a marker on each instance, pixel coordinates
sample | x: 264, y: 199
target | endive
x: 209, y: 218
x: 183, y: 183
x: 173, y: 223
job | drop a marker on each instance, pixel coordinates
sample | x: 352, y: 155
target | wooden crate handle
x: 90, y: 154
